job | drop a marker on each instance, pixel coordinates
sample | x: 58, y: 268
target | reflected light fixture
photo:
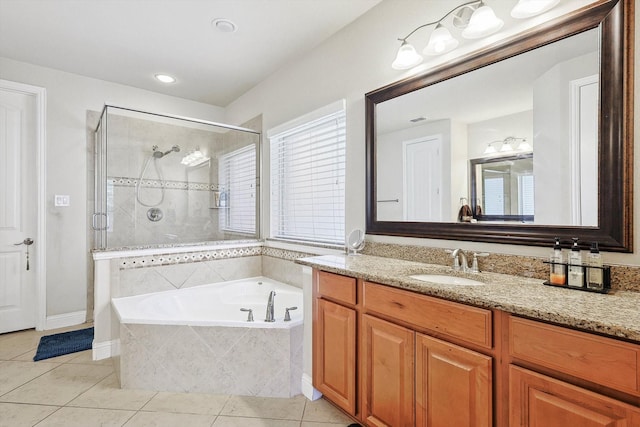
x: 507, y: 145
x: 475, y: 19
x: 490, y: 148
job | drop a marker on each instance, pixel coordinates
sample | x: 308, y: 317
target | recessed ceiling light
x: 224, y: 25
x: 164, y: 78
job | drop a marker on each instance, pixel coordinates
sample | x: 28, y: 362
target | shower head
x: 160, y: 154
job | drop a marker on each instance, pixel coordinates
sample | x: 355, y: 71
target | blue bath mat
x: 64, y: 343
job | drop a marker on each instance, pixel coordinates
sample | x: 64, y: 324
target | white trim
x: 41, y: 180
x: 105, y: 349
x: 308, y: 390
x: 67, y: 319
x: 314, y: 115
x: 574, y: 147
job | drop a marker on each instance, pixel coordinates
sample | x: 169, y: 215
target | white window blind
x: 237, y: 178
x: 308, y: 180
x: 526, y: 195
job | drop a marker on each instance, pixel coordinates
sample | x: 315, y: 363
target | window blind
x: 308, y: 180
x: 237, y: 178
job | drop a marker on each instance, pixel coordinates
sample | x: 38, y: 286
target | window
x: 308, y: 177
x: 237, y: 177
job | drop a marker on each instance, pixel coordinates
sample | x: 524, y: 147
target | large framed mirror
x: 560, y: 94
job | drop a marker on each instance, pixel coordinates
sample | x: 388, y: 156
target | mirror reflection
x: 502, y: 189
x: 540, y: 107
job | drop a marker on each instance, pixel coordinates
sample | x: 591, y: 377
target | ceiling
x: 129, y: 41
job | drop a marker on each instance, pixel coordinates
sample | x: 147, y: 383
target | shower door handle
x: 94, y: 221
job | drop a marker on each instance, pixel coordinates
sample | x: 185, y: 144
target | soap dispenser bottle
x: 576, y: 273
x: 594, y: 270
x: 557, y: 272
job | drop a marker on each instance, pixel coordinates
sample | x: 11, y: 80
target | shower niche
x: 163, y: 180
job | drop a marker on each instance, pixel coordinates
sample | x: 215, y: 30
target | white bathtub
x: 217, y: 304
x: 198, y: 340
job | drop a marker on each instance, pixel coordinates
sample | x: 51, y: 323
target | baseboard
x: 65, y: 320
x: 308, y: 390
x: 105, y: 349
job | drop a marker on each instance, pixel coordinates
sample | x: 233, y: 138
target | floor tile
x: 60, y: 385
x: 324, y: 412
x: 166, y: 419
x: 187, y: 403
x: 15, y: 373
x: 86, y: 417
x: 265, y: 407
x: 223, y: 421
x: 87, y: 357
x: 17, y: 343
x: 315, y: 424
x: 20, y: 415
x: 107, y: 394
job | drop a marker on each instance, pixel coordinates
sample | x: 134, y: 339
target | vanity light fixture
x: 528, y: 8
x: 474, y: 18
x: 165, y: 78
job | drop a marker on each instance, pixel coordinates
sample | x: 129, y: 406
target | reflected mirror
x: 544, y: 99
x: 502, y: 189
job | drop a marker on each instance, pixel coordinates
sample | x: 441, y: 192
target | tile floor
x: 73, y: 390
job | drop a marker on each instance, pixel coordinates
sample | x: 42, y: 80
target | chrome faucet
x: 270, y: 317
x: 459, y: 265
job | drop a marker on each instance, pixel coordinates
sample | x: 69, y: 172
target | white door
x: 19, y: 133
x: 422, y: 179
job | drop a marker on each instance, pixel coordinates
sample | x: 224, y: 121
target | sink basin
x: 446, y: 280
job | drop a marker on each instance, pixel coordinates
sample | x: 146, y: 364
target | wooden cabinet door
x: 335, y: 354
x: 387, y: 373
x: 453, y: 385
x: 536, y: 400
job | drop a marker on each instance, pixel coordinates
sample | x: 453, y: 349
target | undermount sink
x: 446, y: 280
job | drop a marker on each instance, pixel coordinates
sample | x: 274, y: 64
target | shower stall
x: 163, y: 180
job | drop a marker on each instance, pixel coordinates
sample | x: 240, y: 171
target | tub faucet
x: 459, y: 264
x: 270, y: 317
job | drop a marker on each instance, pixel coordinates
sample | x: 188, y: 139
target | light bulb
x: 483, y: 22
x: 441, y: 41
x: 528, y: 8
x: 407, y: 57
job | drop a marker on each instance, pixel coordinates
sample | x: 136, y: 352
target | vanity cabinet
x: 562, y: 377
x: 387, y: 373
x: 334, y: 339
x: 453, y: 385
x: 393, y: 357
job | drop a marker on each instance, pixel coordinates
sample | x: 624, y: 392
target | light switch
x: 62, y: 200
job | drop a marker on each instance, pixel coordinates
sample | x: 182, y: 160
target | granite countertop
x: 616, y: 313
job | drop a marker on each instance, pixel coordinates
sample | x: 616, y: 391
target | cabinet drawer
x: 448, y: 318
x: 337, y: 287
x: 593, y: 358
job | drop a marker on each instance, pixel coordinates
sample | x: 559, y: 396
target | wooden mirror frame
x: 615, y: 149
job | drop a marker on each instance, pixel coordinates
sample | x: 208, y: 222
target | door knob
x: 28, y: 241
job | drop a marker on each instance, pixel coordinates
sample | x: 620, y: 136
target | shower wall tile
x: 225, y: 270
x: 282, y: 270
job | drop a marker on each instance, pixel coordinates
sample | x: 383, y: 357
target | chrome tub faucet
x: 270, y: 317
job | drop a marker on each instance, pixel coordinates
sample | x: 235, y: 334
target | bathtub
x: 198, y: 340
x: 217, y: 304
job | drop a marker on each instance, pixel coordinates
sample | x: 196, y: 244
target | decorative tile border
x: 208, y: 255
x: 156, y: 183
x: 187, y: 257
